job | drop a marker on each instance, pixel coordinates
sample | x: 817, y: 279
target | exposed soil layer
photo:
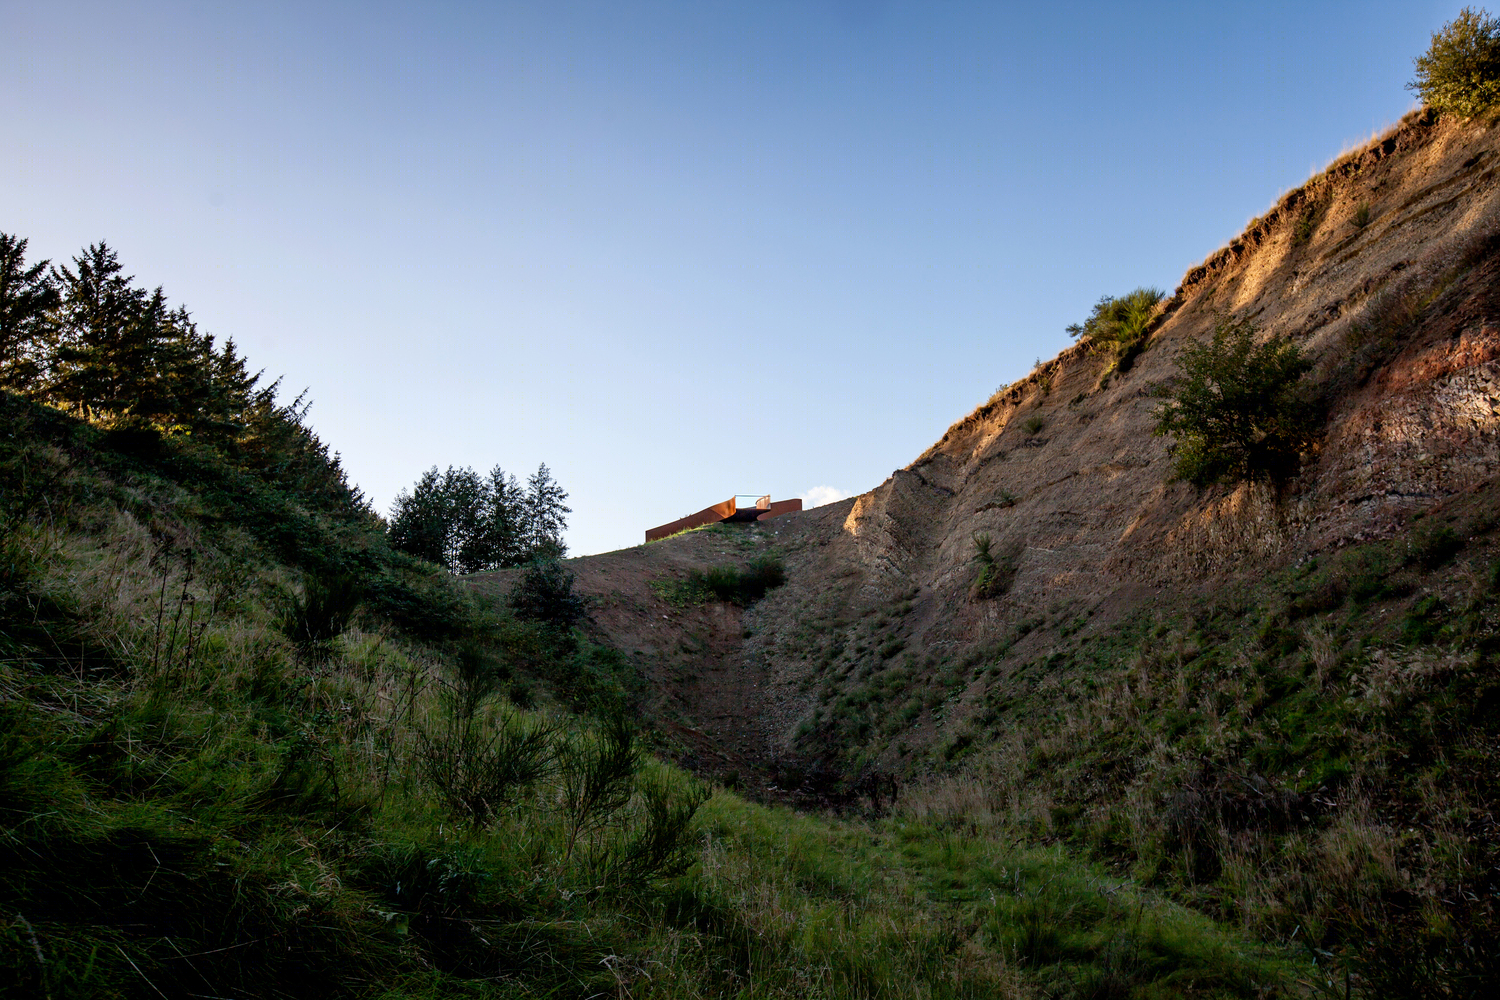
x: 1383, y: 268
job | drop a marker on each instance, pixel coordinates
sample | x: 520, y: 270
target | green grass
x: 193, y: 801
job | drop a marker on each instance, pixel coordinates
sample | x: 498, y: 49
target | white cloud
x: 817, y: 496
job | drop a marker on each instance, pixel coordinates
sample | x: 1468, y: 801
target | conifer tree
x: 545, y: 515
x: 419, y: 519
x: 468, y: 523
x: 505, y: 527
x: 467, y: 548
x: 27, y: 295
x: 110, y: 339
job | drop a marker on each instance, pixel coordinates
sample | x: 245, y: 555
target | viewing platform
x: 729, y: 510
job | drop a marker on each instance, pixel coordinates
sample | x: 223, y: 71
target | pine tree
x: 27, y: 295
x: 232, y: 391
x: 110, y: 340
x: 467, y: 548
x: 419, y: 519
x: 468, y: 524
x: 505, y: 520
x: 545, y: 515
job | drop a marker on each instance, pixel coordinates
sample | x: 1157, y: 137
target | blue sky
x: 674, y: 250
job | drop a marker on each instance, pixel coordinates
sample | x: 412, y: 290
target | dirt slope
x: 1402, y: 315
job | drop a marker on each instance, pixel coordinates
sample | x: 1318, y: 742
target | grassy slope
x: 192, y: 804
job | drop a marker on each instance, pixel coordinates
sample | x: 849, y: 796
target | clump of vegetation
x: 1121, y: 320
x: 1303, y: 229
x: 321, y: 612
x: 997, y: 570
x: 1118, y: 326
x: 1237, y: 409
x: 1460, y: 72
x: 1033, y: 424
x: 1361, y: 217
x: 742, y: 585
x: 544, y: 593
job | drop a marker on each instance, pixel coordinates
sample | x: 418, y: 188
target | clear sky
x: 674, y: 250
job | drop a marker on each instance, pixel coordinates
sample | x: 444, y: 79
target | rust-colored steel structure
x: 729, y: 510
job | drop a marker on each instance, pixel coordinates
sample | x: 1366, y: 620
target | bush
x: 996, y: 570
x: 421, y: 599
x: 321, y: 613
x: 1460, y: 72
x: 729, y: 584
x: 1123, y: 320
x: 545, y: 594
x: 477, y: 763
x: 1236, y: 408
x: 1430, y: 546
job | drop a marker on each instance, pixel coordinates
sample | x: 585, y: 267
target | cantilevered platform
x: 729, y: 510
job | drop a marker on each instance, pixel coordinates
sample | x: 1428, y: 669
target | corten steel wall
x: 781, y: 507
x: 722, y: 512
x: 708, y: 515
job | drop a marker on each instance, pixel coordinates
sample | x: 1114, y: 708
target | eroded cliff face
x: 1385, y: 269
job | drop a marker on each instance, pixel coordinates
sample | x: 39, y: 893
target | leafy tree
x: 545, y: 514
x: 1236, y: 408
x: 27, y: 295
x: 1460, y: 71
x: 1121, y: 320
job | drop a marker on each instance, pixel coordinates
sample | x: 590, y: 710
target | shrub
x: 1236, y: 408
x: 1121, y: 320
x: 1460, y: 72
x: 996, y: 570
x: 1431, y: 546
x: 729, y: 584
x: 321, y: 613
x: 1033, y: 424
x: 477, y: 763
x: 1303, y: 230
x: 545, y: 594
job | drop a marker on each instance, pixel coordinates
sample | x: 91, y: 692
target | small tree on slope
x: 1236, y: 408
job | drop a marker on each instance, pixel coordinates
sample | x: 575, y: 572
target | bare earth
x: 1085, y: 500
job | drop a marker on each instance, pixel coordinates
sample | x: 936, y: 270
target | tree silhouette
x: 27, y: 295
